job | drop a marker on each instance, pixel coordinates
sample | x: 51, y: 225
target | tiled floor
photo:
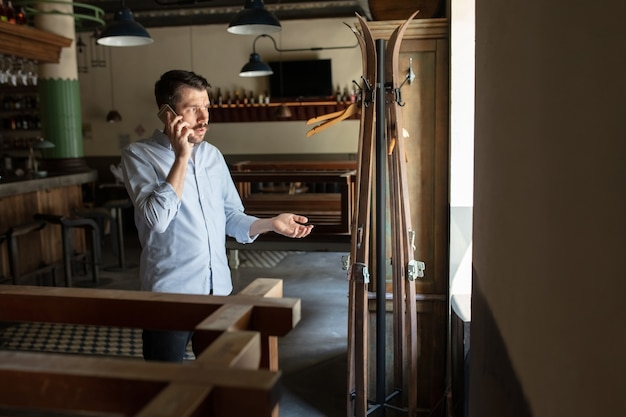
x: 313, y: 355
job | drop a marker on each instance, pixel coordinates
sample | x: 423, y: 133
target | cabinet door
x: 426, y: 119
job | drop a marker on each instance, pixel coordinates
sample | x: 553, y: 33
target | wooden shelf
x: 300, y: 110
x: 31, y: 43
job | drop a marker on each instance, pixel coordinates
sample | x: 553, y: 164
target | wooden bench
x: 330, y: 212
x: 234, y: 337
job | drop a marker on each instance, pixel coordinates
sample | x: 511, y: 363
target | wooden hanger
x: 330, y: 119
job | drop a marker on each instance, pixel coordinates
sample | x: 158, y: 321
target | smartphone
x: 163, y: 113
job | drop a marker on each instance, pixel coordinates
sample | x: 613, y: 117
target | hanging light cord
x: 111, y: 74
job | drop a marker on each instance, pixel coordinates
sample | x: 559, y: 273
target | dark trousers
x: 165, y: 346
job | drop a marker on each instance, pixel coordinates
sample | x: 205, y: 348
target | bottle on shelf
x: 346, y: 95
x: 338, y: 95
x: 9, y: 11
x: 21, y: 16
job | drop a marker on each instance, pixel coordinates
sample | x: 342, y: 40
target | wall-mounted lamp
x: 124, y: 30
x: 40, y: 144
x: 257, y: 68
x: 254, y: 19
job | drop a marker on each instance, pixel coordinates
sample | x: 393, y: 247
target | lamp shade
x: 283, y: 112
x: 114, y: 116
x: 254, y: 19
x: 124, y: 31
x: 255, y: 67
x: 43, y: 144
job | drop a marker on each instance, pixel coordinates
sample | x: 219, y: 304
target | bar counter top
x: 27, y: 184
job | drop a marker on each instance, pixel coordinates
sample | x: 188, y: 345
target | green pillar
x: 61, y: 118
x: 59, y: 92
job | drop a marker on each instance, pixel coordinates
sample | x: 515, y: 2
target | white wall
x: 549, y: 287
x: 218, y: 55
x: 461, y: 144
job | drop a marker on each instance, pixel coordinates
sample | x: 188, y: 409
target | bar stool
x: 69, y: 255
x: 117, y: 228
x: 118, y: 206
x: 104, y: 218
x: 12, y: 236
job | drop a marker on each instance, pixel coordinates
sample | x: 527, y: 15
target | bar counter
x: 20, y: 185
x: 23, y: 197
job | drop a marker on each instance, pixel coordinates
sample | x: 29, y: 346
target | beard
x: 197, y: 138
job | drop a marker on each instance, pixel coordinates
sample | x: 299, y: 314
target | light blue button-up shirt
x: 183, y: 241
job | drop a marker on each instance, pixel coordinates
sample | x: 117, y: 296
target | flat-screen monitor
x: 303, y: 79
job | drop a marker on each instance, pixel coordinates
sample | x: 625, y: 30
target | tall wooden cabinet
x: 426, y: 118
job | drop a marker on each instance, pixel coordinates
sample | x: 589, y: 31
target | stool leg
x: 120, y: 237
x: 119, y: 229
x: 54, y: 276
x: 67, y: 254
x: 95, y: 256
x: 13, y: 260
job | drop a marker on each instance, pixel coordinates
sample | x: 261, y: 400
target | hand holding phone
x: 163, y: 111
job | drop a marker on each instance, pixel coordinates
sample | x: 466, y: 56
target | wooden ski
x: 358, y: 273
x: 404, y: 267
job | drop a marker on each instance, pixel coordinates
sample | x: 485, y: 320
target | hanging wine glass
x: 22, y: 76
x: 4, y: 75
x: 32, y: 72
x: 11, y: 72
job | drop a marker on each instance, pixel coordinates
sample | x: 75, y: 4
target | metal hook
x: 368, y: 92
x: 410, y: 75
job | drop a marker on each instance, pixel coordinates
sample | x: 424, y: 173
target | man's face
x: 194, y: 107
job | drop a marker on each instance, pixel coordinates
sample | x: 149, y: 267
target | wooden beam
x: 138, y: 309
x: 67, y: 382
x: 266, y: 287
x: 240, y: 350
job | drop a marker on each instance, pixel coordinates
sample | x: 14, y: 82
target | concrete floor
x: 312, y: 357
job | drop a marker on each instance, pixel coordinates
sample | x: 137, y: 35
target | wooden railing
x: 234, y: 337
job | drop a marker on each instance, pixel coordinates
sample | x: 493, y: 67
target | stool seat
x: 67, y: 224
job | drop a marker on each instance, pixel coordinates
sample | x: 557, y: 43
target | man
x: 185, y: 204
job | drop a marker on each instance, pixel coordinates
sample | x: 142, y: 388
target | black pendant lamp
x: 124, y: 30
x: 254, y: 19
x: 113, y: 116
x: 255, y: 67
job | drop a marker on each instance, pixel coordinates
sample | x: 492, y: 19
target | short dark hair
x: 166, y: 89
